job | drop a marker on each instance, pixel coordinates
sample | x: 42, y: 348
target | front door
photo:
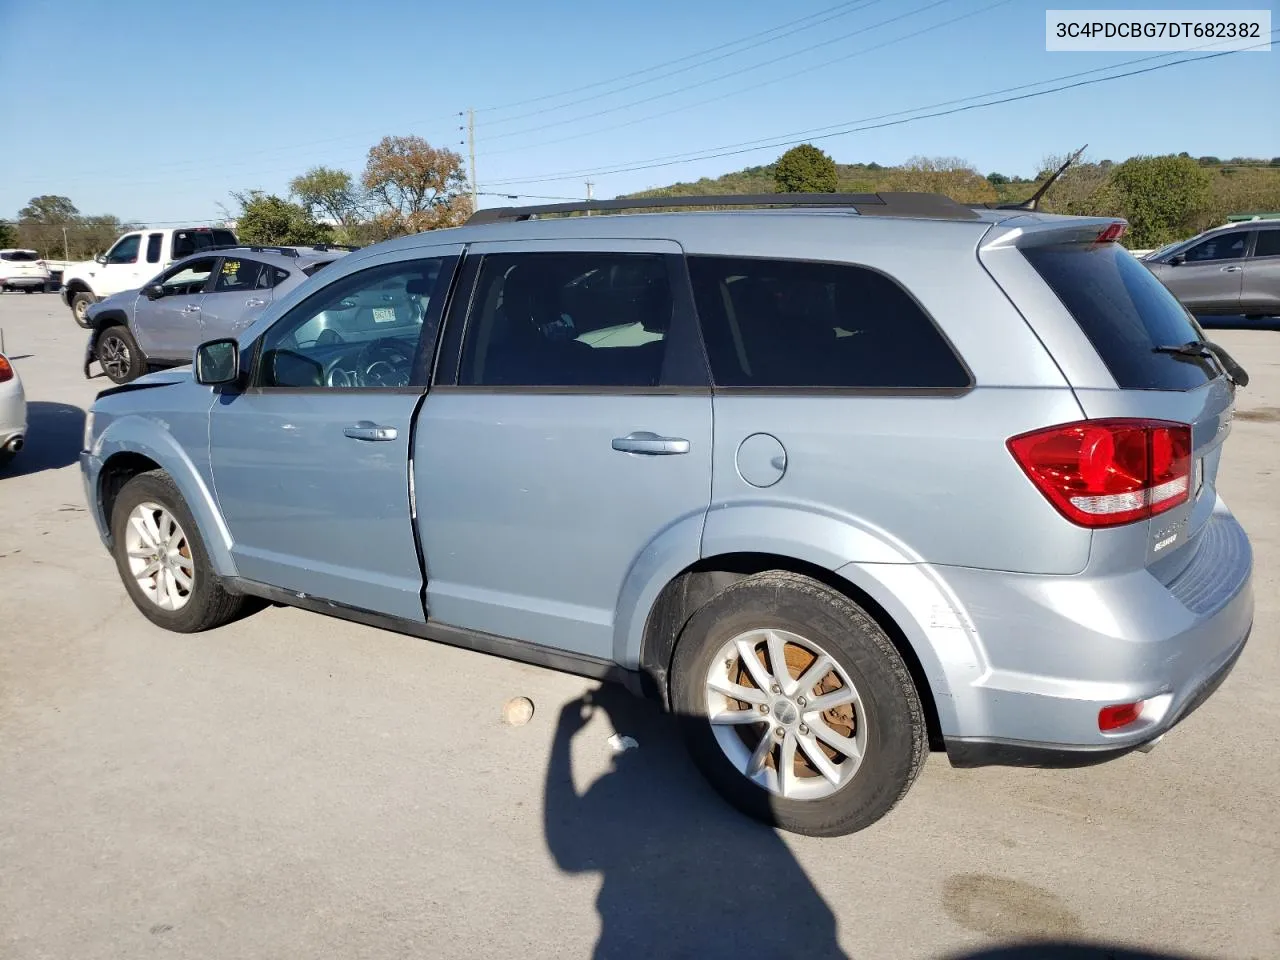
x: 124, y: 268
x: 1209, y: 279
x: 169, y: 327
x: 311, y: 461
x: 567, y: 434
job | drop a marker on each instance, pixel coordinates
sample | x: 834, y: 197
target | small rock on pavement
x: 517, y: 711
x: 620, y: 744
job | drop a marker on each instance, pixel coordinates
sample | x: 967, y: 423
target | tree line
x: 57, y: 230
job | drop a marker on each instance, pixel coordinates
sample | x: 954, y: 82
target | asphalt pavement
x: 295, y: 786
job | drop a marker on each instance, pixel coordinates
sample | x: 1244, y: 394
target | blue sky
x: 155, y: 111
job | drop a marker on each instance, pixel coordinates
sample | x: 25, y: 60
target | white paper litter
x: 620, y: 744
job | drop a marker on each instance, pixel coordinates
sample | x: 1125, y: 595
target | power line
x: 735, y: 149
x: 755, y: 86
x: 723, y: 76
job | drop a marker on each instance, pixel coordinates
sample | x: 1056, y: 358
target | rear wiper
x: 1207, y: 348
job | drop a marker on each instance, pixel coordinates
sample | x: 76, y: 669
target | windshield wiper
x: 1207, y: 348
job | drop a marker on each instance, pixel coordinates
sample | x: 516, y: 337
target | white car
x: 23, y: 270
x: 13, y: 411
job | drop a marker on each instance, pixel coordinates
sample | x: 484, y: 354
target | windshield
x: 21, y: 256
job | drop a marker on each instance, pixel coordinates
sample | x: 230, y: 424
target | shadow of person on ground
x: 55, y: 432
x: 683, y: 874
x: 1065, y: 950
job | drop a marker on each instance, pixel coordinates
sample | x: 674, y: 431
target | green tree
x: 8, y: 235
x: 805, y: 169
x: 949, y: 176
x: 326, y: 192
x: 265, y: 218
x: 41, y: 221
x: 1161, y: 197
x: 415, y: 186
x: 996, y: 179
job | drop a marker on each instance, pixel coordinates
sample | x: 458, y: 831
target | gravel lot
x: 293, y: 786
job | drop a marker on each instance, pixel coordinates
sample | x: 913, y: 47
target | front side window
x: 568, y: 320
x: 362, y: 330
x: 790, y: 323
x: 126, y: 250
x: 188, y: 279
x: 1226, y: 246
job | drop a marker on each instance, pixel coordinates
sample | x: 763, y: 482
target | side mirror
x: 101, y: 258
x: 1177, y: 260
x: 153, y: 291
x: 217, y: 361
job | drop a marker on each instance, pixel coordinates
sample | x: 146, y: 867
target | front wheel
x: 796, y: 706
x: 163, y: 561
x: 119, y: 356
x: 80, y: 304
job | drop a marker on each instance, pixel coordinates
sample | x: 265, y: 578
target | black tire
x: 6, y: 456
x: 897, y: 738
x: 208, y: 604
x: 118, y: 354
x: 81, y: 302
x: 31, y: 290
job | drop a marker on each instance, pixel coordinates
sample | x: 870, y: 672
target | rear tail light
x: 1111, y: 232
x: 6, y: 370
x: 1105, y: 473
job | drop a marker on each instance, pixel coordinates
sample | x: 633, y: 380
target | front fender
x: 134, y: 434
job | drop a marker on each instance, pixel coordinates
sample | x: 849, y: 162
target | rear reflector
x: 1112, y: 232
x: 6, y: 371
x: 1105, y: 473
x: 1120, y: 715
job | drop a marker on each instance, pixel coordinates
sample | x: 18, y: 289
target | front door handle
x: 368, y: 430
x: 191, y: 308
x: 650, y: 444
x: 255, y: 302
x: 1230, y: 269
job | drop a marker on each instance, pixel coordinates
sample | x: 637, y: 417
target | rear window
x: 1125, y: 312
x: 21, y: 256
x: 187, y: 242
x: 791, y: 323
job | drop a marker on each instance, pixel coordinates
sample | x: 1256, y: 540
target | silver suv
x: 833, y: 484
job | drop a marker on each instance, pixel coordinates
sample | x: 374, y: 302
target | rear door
x: 1261, y: 290
x: 1125, y: 314
x: 169, y: 327
x: 241, y: 291
x: 568, y: 431
x: 1209, y: 279
x: 311, y: 463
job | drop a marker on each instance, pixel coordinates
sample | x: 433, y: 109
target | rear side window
x: 154, y: 242
x: 788, y: 323
x: 189, y: 241
x: 1125, y: 312
x: 1267, y: 244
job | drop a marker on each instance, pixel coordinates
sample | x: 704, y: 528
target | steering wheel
x: 387, y: 362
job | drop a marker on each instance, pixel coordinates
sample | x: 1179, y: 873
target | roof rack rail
x: 932, y: 205
x: 255, y: 247
x: 325, y: 247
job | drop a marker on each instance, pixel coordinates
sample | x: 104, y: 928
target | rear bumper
x: 1051, y: 652
x: 25, y: 283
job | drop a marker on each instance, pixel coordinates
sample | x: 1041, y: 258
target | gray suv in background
x: 1229, y: 270
x: 834, y: 484
x: 215, y: 293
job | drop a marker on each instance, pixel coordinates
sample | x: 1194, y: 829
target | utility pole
x: 589, y: 186
x: 471, y: 148
x: 66, y: 251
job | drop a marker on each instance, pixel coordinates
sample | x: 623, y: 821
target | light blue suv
x: 836, y: 483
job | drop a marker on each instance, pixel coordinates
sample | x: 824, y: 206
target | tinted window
x: 1124, y: 311
x: 362, y: 330
x: 787, y: 323
x: 1225, y: 246
x: 189, y: 278
x: 126, y: 251
x: 239, y: 276
x: 187, y: 242
x: 313, y: 267
x: 154, y: 242
x: 568, y: 319
x: 1267, y: 244
x: 20, y: 256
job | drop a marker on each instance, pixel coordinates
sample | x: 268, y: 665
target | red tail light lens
x: 1120, y: 715
x: 1105, y: 473
x: 1111, y: 232
x: 6, y: 371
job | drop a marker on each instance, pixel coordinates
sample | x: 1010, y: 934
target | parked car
x: 133, y: 259
x: 831, y: 485
x: 1232, y: 269
x: 22, y: 270
x: 213, y: 294
x: 13, y: 412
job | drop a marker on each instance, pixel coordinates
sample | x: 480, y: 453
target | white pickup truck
x: 134, y: 259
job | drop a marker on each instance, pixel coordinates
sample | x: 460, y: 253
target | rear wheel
x: 118, y: 355
x: 163, y: 561
x: 80, y: 303
x: 796, y: 705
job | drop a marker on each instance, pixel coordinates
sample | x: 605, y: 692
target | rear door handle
x: 191, y: 308
x: 1230, y: 269
x: 255, y: 302
x: 650, y: 444
x: 368, y: 430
